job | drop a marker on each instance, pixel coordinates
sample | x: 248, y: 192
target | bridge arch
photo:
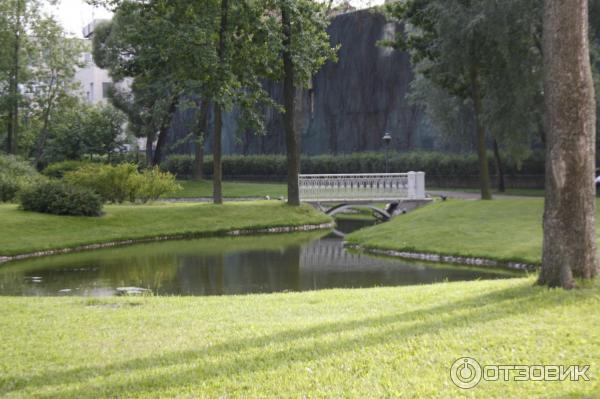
x: 345, y: 206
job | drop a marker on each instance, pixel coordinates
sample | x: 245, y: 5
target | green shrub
x: 259, y: 165
x: 432, y: 163
x: 117, y: 183
x: 152, y: 184
x: 15, y: 175
x: 9, y: 187
x: 179, y: 165
x: 138, y: 158
x: 112, y: 183
x: 61, y: 199
x: 57, y: 170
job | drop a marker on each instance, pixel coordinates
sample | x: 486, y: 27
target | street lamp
x: 387, y: 139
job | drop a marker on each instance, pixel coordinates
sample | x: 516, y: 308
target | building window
x: 92, y: 91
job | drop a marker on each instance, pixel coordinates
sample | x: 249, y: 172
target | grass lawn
x: 231, y: 189
x: 382, y: 342
x: 520, y: 192
x: 508, y: 229
x: 25, y: 232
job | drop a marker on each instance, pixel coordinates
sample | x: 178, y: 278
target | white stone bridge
x: 363, y: 190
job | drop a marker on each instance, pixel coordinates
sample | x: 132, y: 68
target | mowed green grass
x: 231, y: 189
x: 26, y: 232
x: 519, y: 192
x: 366, y: 343
x: 506, y: 230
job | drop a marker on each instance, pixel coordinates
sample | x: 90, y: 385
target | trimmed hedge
x: 432, y: 163
x: 61, y: 199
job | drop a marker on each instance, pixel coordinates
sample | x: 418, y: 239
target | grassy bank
x: 384, y: 342
x: 505, y: 230
x: 513, y: 192
x: 231, y: 189
x: 26, y: 232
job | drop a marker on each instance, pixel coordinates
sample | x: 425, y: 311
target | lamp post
x: 387, y: 139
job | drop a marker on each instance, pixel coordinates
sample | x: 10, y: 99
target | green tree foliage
x: 487, y: 53
x: 136, y: 45
x: 37, y: 65
x: 218, y: 50
x: 85, y: 130
x: 53, y: 86
x: 305, y: 48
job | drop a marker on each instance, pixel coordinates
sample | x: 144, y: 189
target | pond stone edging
x: 462, y: 260
x: 230, y: 233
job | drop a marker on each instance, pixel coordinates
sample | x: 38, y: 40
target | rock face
x: 351, y: 104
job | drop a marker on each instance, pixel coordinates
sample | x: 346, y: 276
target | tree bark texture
x: 164, y: 131
x: 292, y: 139
x: 569, y: 248
x: 201, y: 128
x: 217, y: 163
x: 43, y: 137
x: 499, y: 168
x: 217, y: 140
x: 149, y: 144
x: 484, y: 169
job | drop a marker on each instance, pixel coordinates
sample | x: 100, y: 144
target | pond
x: 224, y: 266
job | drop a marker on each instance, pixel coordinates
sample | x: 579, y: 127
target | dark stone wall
x: 351, y: 104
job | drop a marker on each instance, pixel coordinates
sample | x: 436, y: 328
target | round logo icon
x: 465, y: 373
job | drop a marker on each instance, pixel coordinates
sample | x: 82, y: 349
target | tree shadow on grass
x: 228, y: 358
x: 577, y: 395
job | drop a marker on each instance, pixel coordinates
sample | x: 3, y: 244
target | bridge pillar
x: 416, y: 185
x: 412, y: 185
x: 420, y: 187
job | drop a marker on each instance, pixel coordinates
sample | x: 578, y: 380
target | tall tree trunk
x: 217, y: 150
x: 201, y: 128
x: 41, y: 142
x: 164, y: 131
x: 484, y: 172
x: 569, y: 248
x: 43, y: 137
x: 197, y: 173
x: 149, y: 144
x: 292, y: 139
x: 499, y: 168
x: 13, y: 113
x: 217, y: 163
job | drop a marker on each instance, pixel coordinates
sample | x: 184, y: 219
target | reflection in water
x: 222, y: 266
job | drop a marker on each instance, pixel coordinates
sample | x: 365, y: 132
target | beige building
x: 94, y: 82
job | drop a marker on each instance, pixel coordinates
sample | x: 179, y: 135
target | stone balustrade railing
x: 367, y: 187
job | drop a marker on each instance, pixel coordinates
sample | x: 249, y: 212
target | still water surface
x: 223, y: 266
